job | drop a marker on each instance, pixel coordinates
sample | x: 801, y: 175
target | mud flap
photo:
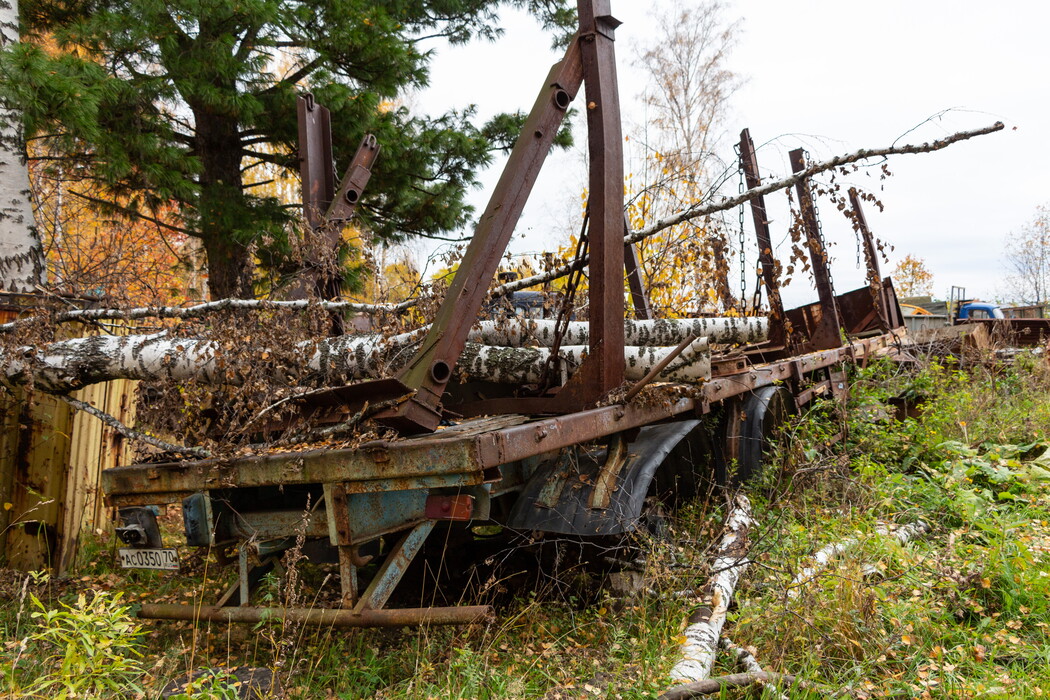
x: 558, y: 497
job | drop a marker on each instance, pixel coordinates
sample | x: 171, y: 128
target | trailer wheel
x: 748, y: 430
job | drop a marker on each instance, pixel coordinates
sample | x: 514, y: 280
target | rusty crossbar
x: 325, y: 617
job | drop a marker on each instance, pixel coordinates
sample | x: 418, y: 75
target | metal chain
x: 741, y: 188
x: 552, y: 368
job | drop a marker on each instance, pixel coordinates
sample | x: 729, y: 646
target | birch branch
x: 694, y: 212
x: 702, y: 209
x: 701, y: 636
x: 711, y: 686
x: 826, y: 554
x: 199, y: 310
x: 747, y: 663
x: 130, y: 433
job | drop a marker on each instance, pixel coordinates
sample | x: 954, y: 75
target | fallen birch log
x: 826, y: 554
x: 701, y: 636
x: 710, y: 686
x: 521, y: 332
x: 67, y: 365
x: 526, y: 365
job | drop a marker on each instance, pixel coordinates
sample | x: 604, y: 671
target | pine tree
x: 174, y: 101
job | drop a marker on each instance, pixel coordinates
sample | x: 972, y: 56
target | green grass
x: 963, y: 612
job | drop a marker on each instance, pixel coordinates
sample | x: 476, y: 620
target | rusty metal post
x: 605, y: 147
x: 871, y: 259
x: 826, y: 333
x: 779, y: 326
x: 604, y: 367
x: 354, y: 181
x: 316, y: 165
x: 643, y: 311
x: 429, y: 370
x: 324, y: 210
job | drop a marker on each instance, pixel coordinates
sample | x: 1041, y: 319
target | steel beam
x: 871, y: 258
x: 605, y: 201
x: 393, y: 568
x: 779, y: 325
x: 316, y: 166
x: 643, y: 310
x: 826, y: 334
x: 430, y: 369
x: 353, y: 184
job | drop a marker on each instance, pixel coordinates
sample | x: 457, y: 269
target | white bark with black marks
x: 701, y: 636
x: 826, y: 554
x: 522, y: 332
x: 21, y: 255
x: 67, y: 365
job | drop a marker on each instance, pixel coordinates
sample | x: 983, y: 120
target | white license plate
x: 167, y: 559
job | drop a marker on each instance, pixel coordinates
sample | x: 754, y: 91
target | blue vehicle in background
x: 978, y: 310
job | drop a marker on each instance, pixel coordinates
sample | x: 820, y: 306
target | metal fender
x: 747, y: 429
x: 569, y: 495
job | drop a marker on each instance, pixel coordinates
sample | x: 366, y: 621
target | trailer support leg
x: 390, y: 573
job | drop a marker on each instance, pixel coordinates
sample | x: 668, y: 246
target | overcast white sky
x: 833, y: 77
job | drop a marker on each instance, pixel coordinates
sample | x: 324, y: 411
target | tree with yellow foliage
x: 911, y: 277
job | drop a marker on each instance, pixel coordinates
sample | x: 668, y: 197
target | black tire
x: 747, y: 431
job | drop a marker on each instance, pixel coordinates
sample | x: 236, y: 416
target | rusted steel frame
x: 604, y: 368
x: 327, y: 617
x: 807, y: 395
x: 430, y: 369
x: 338, y: 517
x: 473, y: 456
x: 779, y: 326
x: 871, y: 259
x: 394, y: 567
x: 373, y: 462
x: 353, y: 184
x: 433, y: 481
x: 643, y: 310
x: 316, y: 166
x: 826, y: 334
x: 523, y: 441
x: 274, y: 524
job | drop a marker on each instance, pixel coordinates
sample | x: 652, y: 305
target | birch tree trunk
x: 701, y: 637
x: 67, y: 365
x: 21, y: 255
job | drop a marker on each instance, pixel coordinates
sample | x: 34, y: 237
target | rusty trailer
x: 576, y: 455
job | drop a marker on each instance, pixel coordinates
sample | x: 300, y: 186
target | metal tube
x: 397, y: 617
